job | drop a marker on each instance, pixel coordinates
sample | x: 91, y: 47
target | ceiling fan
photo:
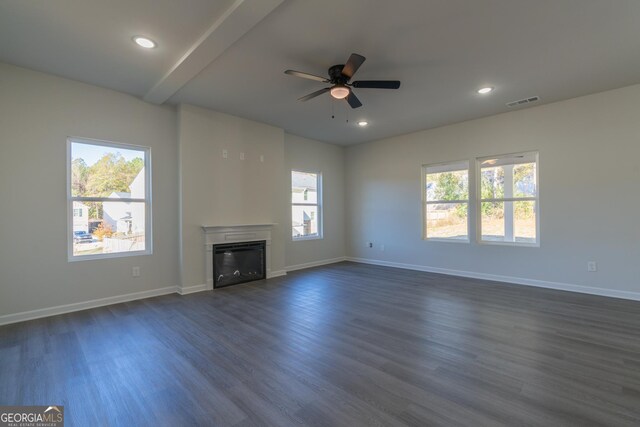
x: 339, y: 77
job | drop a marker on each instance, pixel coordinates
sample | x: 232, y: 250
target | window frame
x: 148, y: 237
x: 425, y: 202
x: 318, y: 204
x: 479, y: 200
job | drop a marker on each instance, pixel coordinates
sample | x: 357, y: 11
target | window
x: 306, y: 205
x: 108, y: 199
x: 508, y: 193
x: 446, y: 201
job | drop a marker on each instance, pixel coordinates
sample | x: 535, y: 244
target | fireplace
x: 235, y: 263
x: 223, y: 235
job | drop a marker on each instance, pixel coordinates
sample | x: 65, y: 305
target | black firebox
x: 235, y: 263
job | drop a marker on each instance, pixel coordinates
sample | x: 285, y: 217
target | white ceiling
x: 90, y: 40
x: 230, y: 55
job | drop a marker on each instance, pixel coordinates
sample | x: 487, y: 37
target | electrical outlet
x: 225, y: 154
x: 262, y: 158
x: 592, y: 266
x: 370, y: 244
x: 135, y: 271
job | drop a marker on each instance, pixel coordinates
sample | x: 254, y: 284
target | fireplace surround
x: 243, y: 233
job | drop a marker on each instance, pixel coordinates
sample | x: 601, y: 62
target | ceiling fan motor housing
x: 336, y: 76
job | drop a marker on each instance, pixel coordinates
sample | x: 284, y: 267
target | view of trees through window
x: 507, y: 207
x: 509, y: 197
x: 108, y: 192
x: 447, y: 208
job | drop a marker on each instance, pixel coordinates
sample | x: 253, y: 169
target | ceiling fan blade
x: 314, y: 94
x: 353, y: 100
x: 306, y: 76
x: 377, y: 84
x: 352, y: 65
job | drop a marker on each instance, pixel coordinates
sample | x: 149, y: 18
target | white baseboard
x: 276, y: 273
x: 69, y: 308
x: 612, y: 293
x: 315, y: 263
x: 185, y: 290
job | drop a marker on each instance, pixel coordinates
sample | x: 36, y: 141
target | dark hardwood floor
x: 341, y: 345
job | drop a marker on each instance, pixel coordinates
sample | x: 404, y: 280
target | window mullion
x: 508, y: 208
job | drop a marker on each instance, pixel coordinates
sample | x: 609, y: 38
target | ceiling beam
x: 235, y: 22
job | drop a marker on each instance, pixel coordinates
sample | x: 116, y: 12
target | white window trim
x: 319, y: 203
x: 425, y: 202
x: 479, y: 200
x: 148, y: 244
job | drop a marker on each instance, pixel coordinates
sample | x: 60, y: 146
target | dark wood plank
x: 347, y: 344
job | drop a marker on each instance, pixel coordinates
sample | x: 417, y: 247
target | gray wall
x: 589, y: 149
x: 219, y: 191
x: 37, y: 114
x: 588, y: 185
x: 192, y: 186
x: 308, y: 155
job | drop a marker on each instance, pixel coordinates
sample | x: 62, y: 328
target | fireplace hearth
x: 235, y: 263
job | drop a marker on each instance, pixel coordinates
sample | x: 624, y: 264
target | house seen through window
x: 109, y: 199
x: 306, y: 205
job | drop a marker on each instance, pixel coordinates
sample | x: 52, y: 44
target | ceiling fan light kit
x: 339, y: 77
x: 339, y: 91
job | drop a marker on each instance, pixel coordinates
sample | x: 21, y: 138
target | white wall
x: 589, y: 177
x: 39, y: 111
x: 37, y: 114
x: 311, y: 156
x: 218, y: 191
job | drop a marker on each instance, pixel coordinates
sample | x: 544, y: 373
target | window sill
x: 443, y: 240
x: 73, y: 258
x: 303, y: 238
x: 520, y: 244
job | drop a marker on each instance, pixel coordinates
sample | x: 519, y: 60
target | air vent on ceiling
x: 523, y: 101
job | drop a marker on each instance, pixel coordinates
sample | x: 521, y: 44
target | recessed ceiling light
x: 363, y: 123
x: 485, y: 90
x: 144, y: 42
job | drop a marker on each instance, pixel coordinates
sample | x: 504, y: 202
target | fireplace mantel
x: 218, y: 234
